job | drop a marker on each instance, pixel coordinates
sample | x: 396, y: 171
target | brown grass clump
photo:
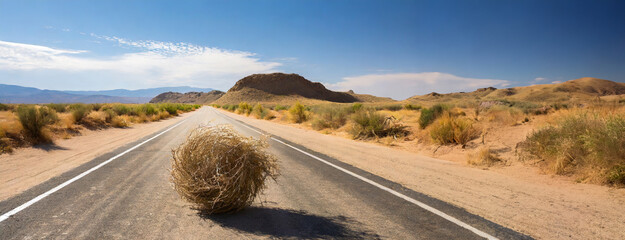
x: 120, y: 122
x: 451, y: 129
x: 219, y: 171
x: 483, y: 156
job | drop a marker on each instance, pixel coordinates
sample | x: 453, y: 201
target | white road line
x: 402, y: 196
x: 59, y: 187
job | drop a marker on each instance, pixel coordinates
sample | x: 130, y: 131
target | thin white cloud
x: 539, y: 79
x: 554, y: 82
x: 152, y: 63
x: 404, y: 85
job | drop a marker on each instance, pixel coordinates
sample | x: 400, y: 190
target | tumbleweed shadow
x: 286, y: 223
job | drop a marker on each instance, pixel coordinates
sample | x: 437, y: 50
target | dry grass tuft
x: 221, y: 171
x: 483, y: 156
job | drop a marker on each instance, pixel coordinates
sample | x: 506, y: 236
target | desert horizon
x: 312, y: 119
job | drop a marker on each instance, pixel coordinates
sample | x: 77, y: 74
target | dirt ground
x: 24, y: 168
x: 515, y: 195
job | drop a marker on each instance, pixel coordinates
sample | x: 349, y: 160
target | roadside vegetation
x: 587, y: 141
x: 26, y: 125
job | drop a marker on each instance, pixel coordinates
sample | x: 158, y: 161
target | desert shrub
x: 450, y: 129
x: 329, y: 117
x: 58, y: 107
x: 244, y: 108
x: 428, y: 115
x: 219, y: 170
x: 121, y: 109
x: 170, y: 108
x: 4, y: 107
x: 279, y: 107
x: 411, y: 107
x: 390, y: 107
x: 79, y: 111
x: 504, y: 115
x: 147, y: 109
x: 356, y: 107
x: 582, y: 141
x: 33, y: 119
x: 298, y: 113
x: 259, y: 111
x: 96, y: 106
x: 119, y: 122
x: 368, y: 123
x: 483, y: 156
x: 109, y: 114
x: 233, y: 108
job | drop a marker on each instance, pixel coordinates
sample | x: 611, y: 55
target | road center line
x: 59, y: 187
x: 402, y: 196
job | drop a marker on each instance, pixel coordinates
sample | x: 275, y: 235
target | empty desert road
x: 130, y: 197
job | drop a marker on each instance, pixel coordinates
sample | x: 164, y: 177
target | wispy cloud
x: 404, y: 85
x: 151, y: 63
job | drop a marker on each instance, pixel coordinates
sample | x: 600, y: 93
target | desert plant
x: 581, y: 141
x: 259, y: 111
x: 58, y: 107
x: 390, y: 107
x: 244, y: 108
x: 219, y: 170
x: 119, y: 122
x: 409, y: 106
x: 451, y: 129
x: 329, y: 117
x: 79, y: 111
x: 483, y: 156
x: 368, y: 123
x: 33, y: 119
x: 279, y: 107
x: 428, y: 115
x: 4, y: 107
x: 356, y: 107
x: 298, y: 113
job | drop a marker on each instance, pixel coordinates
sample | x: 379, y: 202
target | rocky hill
x: 277, y: 87
x: 578, y: 89
x: 190, y: 97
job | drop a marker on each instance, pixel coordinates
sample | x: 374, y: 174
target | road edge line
x: 18, y: 209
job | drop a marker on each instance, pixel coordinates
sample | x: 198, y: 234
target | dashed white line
x: 402, y: 196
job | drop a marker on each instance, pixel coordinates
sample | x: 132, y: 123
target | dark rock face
x: 190, y: 97
x: 290, y: 84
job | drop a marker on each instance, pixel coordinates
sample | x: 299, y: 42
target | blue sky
x: 388, y: 48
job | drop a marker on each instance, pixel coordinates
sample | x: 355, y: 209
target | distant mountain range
x: 19, y: 94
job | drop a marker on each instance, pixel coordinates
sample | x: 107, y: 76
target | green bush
x: 96, y: 106
x: 170, y: 108
x: 147, y: 109
x: 428, y: 115
x: 58, y: 107
x: 368, y: 123
x: 411, y: 107
x: 356, y: 107
x: 391, y: 107
x: 280, y: 108
x: 4, y: 107
x: 298, y: 113
x: 244, y: 108
x: 329, y: 117
x: 79, y: 111
x: 33, y: 120
x: 121, y: 109
x: 259, y: 111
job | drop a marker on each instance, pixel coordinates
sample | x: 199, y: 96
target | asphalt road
x: 131, y: 198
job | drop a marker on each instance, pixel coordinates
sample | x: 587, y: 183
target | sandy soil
x: 24, y: 168
x: 515, y: 196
